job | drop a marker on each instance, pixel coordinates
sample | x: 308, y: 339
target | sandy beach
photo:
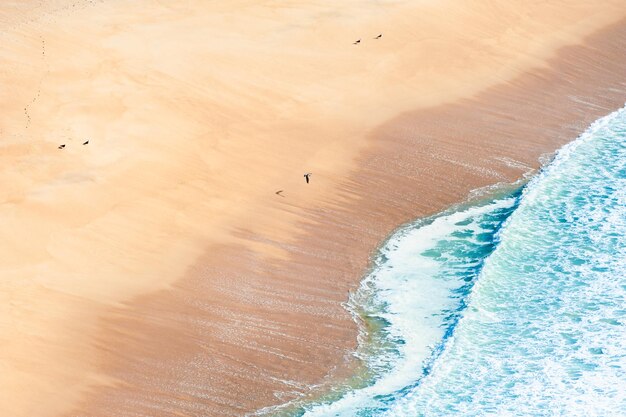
x: 155, y: 272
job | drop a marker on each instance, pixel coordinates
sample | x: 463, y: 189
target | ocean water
x: 511, y: 307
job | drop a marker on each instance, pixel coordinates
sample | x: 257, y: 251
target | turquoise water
x: 512, y: 307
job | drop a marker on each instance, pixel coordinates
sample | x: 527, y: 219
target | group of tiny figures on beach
x: 307, y: 178
x: 62, y: 146
x: 358, y: 41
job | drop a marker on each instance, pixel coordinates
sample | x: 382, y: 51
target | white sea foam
x: 410, y: 291
x: 544, y: 334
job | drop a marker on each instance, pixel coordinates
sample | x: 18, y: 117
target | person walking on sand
x: 307, y: 177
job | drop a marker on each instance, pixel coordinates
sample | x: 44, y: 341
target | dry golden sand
x: 154, y: 272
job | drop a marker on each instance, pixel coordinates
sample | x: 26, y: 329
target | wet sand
x: 155, y: 272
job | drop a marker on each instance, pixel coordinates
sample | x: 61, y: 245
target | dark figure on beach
x: 379, y: 36
x: 306, y: 177
x: 61, y: 146
x: 279, y: 193
x: 86, y: 142
x: 357, y: 42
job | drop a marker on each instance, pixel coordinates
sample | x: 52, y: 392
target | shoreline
x: 161, y: 274
x: 360, y: 375
x: 361, y: 304
x: 579, y: 161
x: 324, y: 345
